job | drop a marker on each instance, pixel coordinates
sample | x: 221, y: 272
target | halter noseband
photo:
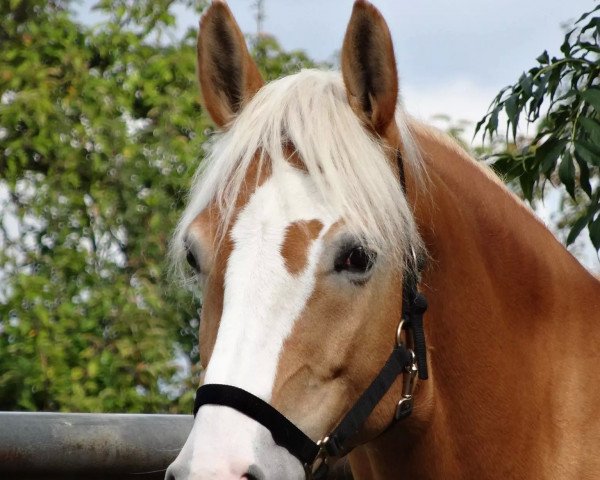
x: 314, y: 455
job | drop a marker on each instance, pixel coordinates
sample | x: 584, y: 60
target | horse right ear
x: 228, y: 76
x: 369, y: 67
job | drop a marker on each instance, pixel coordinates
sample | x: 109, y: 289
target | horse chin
x: 225, y: 444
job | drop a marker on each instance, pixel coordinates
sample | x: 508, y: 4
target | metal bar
x: 45, y: 446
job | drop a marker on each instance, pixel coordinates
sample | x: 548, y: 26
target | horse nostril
x: 170, y: 475
x: 253, y: 473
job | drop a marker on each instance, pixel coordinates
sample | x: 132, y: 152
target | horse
x: 319, y: 205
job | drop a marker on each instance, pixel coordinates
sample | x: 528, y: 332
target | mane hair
x: 349, y: 166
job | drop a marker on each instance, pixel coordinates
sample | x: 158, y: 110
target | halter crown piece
x: 313, y: 455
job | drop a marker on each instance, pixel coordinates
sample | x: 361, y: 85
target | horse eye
x: 355, y: 260
x: 191, y: 260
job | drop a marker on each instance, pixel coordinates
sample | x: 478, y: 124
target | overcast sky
x: 453, y: 56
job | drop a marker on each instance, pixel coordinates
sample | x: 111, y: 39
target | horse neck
x: 498, y: 268
x: 510, y: 331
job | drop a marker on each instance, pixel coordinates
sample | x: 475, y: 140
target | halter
x: 412, y: 363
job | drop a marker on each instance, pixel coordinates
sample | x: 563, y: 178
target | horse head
x: 299, y: 234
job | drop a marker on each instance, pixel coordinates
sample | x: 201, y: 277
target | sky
x: 453, y: 56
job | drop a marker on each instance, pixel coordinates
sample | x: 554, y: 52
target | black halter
x: 401, y: 360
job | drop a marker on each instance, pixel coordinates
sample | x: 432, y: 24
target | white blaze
x: 262, y: 301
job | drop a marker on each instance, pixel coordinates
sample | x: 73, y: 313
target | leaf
x: 560, y: 100
x: 547, y: 154
x: 527, y: 181
x: 512, y: 110
x: 593, y: 23
x: 566, y: 173
x: 538, y: 94
x: 544, y: 58
x: 587, y: 14
x: 592, y: 97
x: 589, y: 47
x: 566, y: 46
x: 492, y: 123
x: 594, y: 229
x: 576, y: 229
x: 479, y: 125
x: 507, y: 167
x: 526, y: 83
x: 592, y: 128
x: 554, y: 80
x: 511, y: 106
x: 584, y: 175
x: 588, y: 152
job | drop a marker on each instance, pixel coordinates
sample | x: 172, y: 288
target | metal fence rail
x: 44, y: 446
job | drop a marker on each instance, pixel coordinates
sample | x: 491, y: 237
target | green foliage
x: 564, y: 93
x: 274, y: 62
x: 460, y: 130
x: 100, y: 133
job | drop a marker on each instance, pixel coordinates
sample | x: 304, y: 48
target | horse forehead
x: 207, y: 221
x: 284, y: 214
x: 288, y: 204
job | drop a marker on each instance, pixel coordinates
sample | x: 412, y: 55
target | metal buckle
x: 319, y: 467
x: 405, y: 405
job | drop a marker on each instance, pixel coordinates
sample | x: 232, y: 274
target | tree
x: 562, y: 94
x: 100, y: 133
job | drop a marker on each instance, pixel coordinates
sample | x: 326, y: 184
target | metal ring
x: 399, y: 341
x: 320, y: 462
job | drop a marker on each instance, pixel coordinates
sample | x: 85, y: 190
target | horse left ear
x: 228, y: 76
x: 369, y: 67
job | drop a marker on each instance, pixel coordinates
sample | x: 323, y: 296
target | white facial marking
x: 262, y: 301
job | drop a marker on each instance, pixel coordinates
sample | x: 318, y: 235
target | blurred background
x: 101, y: 130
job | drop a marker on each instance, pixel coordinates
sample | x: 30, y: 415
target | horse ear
x: 228, y: 75
x: 369, y: 67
